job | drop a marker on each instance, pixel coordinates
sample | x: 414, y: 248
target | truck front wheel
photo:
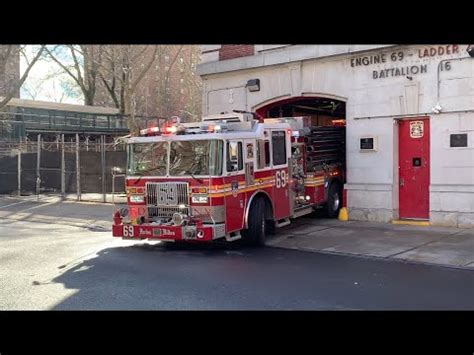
x: 334, y: 200
x: 256, y: 232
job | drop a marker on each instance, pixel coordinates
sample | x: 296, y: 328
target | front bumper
x: 201, y: 233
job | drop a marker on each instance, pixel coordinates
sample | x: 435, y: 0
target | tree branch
x: 145, y: 70
x: 111, y: 90
x: 4, y: 59
x: 138, y: 54
x: 10, y: 95
x: 66, y: 69
x: 76, y: 65
x: 167, y: 76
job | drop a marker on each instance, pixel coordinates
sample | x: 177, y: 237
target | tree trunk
x: 88, y: 98
x: 129, y: 113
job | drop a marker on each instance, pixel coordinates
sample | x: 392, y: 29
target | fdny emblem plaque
x: 416, y: 129
x: 235, y: 188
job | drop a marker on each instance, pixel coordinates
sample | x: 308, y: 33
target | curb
x: 94, y: 225
x: 374, y: 257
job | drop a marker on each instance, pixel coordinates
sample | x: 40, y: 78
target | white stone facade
x: 379, y: 86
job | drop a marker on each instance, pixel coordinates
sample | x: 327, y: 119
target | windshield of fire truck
x: 148, y: 159
x: 198, y: 157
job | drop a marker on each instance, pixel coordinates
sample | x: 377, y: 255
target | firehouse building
x: 408, y: 111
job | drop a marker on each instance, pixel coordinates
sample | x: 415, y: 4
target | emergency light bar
x: 165, y: 129
x: 210, y: 124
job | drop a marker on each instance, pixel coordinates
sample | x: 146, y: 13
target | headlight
x: 123, y: 212
x: 178, y: 218
x: 137, y: 198
x: 199, y: 199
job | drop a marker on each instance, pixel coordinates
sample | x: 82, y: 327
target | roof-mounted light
x: 214, y: 128
x: 149, y: 131
x: 171, y: 129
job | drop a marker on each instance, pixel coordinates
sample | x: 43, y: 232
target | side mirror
x: 232, y: 166
x: 116, y: 170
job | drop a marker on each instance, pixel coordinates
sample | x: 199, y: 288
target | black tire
x: 256, y: 232
x: 334, y: 202
x: 271, y: 227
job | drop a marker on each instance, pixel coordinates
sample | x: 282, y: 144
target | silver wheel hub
x: 336, y: 201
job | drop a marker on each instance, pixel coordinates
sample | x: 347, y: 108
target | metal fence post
x: 102, y: 161
x: 38, y: 162
x: 78, y: 170
x: 19, y: 172
x: 63, y: 169
x: 113, y: 186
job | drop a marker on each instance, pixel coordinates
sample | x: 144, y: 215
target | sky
x: 47, y: 82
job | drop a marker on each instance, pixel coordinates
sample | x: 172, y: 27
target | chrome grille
x: 165, y: 212
x: 164, y: 198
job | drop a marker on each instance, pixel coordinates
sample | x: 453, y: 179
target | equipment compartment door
x: 282, y: 176
x: 414, y: 168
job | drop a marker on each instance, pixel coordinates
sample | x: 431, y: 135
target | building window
x: 458, y: 140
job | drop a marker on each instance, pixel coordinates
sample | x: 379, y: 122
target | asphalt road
x: 64, y: 265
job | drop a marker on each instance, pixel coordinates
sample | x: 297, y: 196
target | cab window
x: 234, y: 156
x: 263, y: 154
x: 279, y: 147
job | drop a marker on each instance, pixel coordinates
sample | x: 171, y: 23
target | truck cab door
x: 235, y: 179
x: 281, y: 151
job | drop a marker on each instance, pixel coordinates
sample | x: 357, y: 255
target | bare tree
x: 157, y: 80
x: 191, y: 83
x: 82, y: 66
x: 10, y: 81
x: 122, y: 69
x: 53, y: 85
x: 32, y: 89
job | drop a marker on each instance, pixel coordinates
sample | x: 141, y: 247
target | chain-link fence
x: 75, y: 169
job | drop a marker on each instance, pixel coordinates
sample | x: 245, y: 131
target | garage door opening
x: 323, y: 111
x: 319, y: 156
x: 327, y: 119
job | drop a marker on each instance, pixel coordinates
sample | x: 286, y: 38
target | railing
x: 11, y: 148
x: 14, y: 124
x: 61, y: 121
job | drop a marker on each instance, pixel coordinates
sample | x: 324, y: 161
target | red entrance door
x: 414, y: 168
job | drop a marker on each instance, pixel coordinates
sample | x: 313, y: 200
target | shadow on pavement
x: 154, y: 276
x: 147, y: 276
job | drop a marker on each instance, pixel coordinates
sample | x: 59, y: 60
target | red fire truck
x: 229, y: 176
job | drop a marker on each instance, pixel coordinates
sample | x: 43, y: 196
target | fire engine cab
x: 229, y: 176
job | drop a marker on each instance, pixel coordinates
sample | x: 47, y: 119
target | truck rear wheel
x: 334, y: 200
x: 256, y: 232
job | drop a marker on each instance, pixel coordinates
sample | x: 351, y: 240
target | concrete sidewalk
x: 54, y: 210
x: 451, y: 247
